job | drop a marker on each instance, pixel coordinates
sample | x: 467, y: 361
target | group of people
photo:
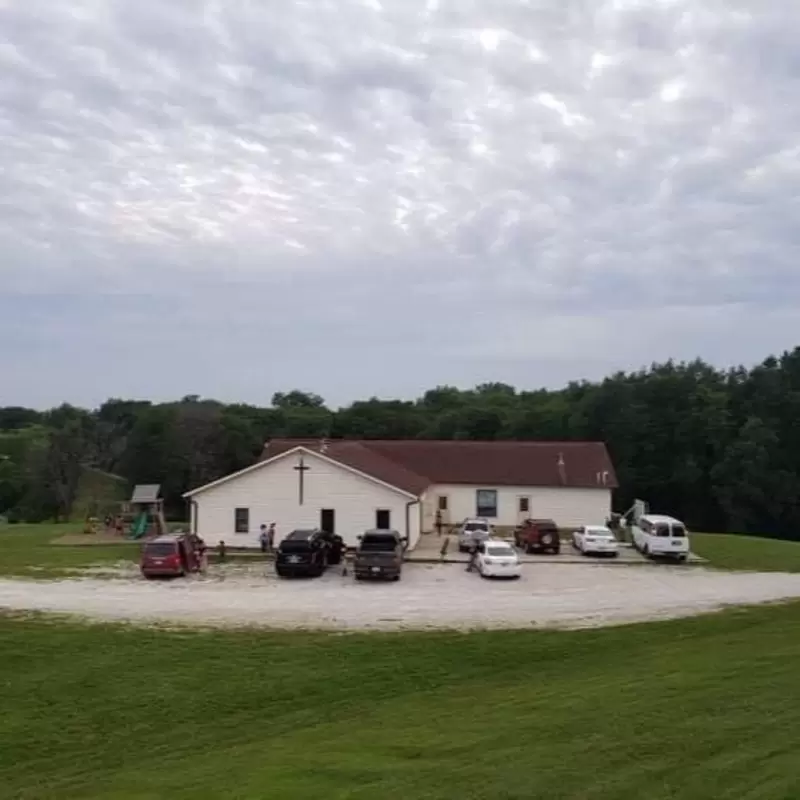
x: 115, y: 523
x: 267, y: 538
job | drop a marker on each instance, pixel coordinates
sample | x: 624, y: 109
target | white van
x: 661, y: 536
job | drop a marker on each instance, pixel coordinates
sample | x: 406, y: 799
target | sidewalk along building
x: 348, y: 486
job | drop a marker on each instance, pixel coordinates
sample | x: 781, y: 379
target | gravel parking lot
x: 428, y: 596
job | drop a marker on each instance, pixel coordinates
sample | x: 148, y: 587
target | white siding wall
x: 567, y: 506
x: 271, y: 494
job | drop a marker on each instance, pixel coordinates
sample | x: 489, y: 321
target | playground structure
x: 143, y: 514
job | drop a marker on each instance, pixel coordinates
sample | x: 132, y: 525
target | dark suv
x: 538, y: 535
x: 308, y: 552
x: 380, y: 555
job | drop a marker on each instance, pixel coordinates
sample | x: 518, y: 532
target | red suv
x: 171, y: 555
x: 538, y: 536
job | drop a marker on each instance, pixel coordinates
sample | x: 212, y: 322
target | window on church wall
x: 442, y: 502
x: 486, y: 503
x: 241, y: 520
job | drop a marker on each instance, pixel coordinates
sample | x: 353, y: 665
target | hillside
x: 652, y: 711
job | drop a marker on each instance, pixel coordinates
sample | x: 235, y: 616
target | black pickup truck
x: 380, y: 555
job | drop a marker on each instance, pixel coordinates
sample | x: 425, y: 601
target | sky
x: 375, y: 197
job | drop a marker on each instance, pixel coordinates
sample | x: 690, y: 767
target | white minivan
x: 657, y: 535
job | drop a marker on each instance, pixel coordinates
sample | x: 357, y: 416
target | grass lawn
x: 26, y: 551
x: 726, y: 551
x: 691, y: 709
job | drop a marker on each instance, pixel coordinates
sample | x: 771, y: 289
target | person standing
x: 438, y: 522
x: 263, y: 539
x: 201, y: 551
x: 473, y: 557
x: 271, y: 536
x: 445, y: 545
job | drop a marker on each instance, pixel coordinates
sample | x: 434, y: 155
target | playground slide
x: 139, y: 527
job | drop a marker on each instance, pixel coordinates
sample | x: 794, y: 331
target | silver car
x: 472, y: 532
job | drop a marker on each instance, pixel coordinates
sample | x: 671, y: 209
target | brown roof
x: 415, y: 464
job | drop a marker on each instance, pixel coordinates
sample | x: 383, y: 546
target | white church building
x: 348, y: 486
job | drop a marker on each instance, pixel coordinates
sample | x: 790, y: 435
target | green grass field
x: 686, y: 710
x: 692, y: 709
x: 27, y: 551
x: 725, y: 551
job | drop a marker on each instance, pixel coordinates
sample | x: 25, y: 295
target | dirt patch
x: 428, y: 596
x: 121, y: 569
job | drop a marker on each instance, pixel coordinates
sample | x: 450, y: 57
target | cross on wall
x: 301, y: 470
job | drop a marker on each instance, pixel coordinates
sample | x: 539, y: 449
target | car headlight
x: 488, y: 561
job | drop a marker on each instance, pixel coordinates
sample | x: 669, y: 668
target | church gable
x: 298, y: 468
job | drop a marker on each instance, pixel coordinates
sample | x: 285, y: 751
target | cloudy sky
x: 373, y: 197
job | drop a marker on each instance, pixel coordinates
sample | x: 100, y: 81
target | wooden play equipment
x: 144, y: 512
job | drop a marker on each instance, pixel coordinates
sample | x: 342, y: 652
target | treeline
x: 718, y: 448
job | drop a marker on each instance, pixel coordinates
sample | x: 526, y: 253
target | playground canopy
x: 145, y: 494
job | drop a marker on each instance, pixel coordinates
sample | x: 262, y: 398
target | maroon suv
x: 538, y: 536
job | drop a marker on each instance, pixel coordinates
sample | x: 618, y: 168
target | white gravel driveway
x: 428, y: 596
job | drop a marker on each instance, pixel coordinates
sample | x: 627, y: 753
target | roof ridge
x: 483, y: 442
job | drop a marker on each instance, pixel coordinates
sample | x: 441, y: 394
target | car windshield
x: 662, y: 530
x: 678, y: 531
x: 159, y: 549
x: 295, y: 545
x: 379, y: 544
x: 475, y: 527
x: 599, y: 533
x: 499, y: 550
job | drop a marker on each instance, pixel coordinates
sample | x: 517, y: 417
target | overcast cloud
x: 360, y: 197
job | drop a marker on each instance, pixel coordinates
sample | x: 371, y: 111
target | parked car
x: 308, y: 552
x: 172, y: 555
x: 497, y: 559
x: 660, y: 536
x: 472, y: 532
x: 538, y: 536
x: 380, y: 555
x: 595, y: 540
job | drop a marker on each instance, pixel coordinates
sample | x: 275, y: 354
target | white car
x: 472, y: 532
x: 497, y: 559
x: 595, y: 540
x: 657, y: 535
